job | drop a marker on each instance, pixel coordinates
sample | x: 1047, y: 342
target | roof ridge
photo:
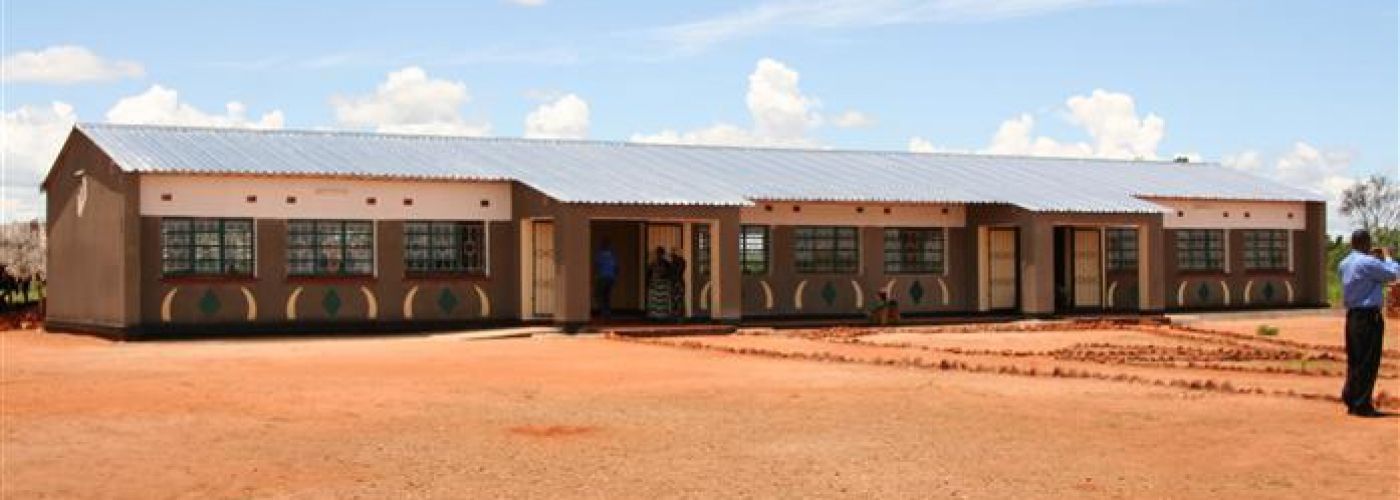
x: 619, y: 143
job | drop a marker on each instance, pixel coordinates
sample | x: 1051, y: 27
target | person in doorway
x: 677, y: 269
x: 659, y: 286
x: 605, y: 276
x: 1363, y: 277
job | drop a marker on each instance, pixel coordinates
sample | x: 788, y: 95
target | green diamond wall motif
x: 916, y: 292
x: 1268, y: 291
x: 829, y: 294
x: 1203, y: 292
x: 447, y: 301
x: 331, y: 302
x: 209, y: 303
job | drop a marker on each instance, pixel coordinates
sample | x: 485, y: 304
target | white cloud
x: 564, y: 118
x: 410, y: 102
x: 778, y: 15
x: 853, y: 119
x: 1245, y: 161
x: 527, y: 3
x: 1326, y: 172
x: 65, y: 64
x: 782, y: 115
x: 1110, y: 119
x: 32, y: 136
x: 921, y: 145
x: 162, y: 106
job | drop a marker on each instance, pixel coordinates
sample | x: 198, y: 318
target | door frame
x: 986, y: 254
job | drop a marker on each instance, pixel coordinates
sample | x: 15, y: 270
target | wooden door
x: 1001, y: 272
x: 1088, y: 268
x: 542, y: 287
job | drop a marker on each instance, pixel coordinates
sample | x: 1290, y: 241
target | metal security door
x: 1001, y: 260
x: 542, y: 287
x: 1088, y: 268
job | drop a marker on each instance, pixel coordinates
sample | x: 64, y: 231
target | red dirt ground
x: 594, y: 417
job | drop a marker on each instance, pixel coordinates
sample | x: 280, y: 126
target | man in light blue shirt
x: 1364, y: 276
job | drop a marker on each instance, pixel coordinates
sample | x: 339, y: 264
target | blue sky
x: 1304, y: 92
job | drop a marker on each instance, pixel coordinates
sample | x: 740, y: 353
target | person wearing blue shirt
x: 1363, y: 277
x: 605, y: 275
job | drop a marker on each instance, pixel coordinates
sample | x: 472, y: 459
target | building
x: 158, y: 230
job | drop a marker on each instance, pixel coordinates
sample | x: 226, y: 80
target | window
x: 1122, y: 248
x: 701, y: 235
x: 1200, y: 249
x: 826, y: 249
x: 753, y: 249
x: 445, y: 247
x: 206, y: 246
x: 914, y: 251
x: 330, y: 247
x: 1266, y: 249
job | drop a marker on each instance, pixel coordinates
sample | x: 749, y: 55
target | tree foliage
x: 22, y: 248
x: 1374, y: 205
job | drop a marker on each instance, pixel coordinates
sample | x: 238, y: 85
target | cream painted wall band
x: 165, y: 303
x: 408, y: 302
x: 484, y: 300
x: 371, y: 303
x: 252, y: 304
x: 292, y: 304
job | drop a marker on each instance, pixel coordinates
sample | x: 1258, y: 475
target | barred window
x: 826, y: 249
x: 914, y: 250
x: 445, y: 247
x: 1200, y: 249
x: 753, y: 249
x: 701, y: 245
x: 1122, y: 248
x: 1265, y: 249
x: 330, y: 247
x: 206, y: 246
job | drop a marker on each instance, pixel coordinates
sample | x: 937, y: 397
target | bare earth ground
x: 731, y: 416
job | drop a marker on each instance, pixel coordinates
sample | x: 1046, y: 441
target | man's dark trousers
x: 603, y: 294
x: 1365, y: 328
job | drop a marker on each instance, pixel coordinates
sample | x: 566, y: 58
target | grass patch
x: 1266, y: 331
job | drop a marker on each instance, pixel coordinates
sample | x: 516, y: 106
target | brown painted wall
x: 93, y: 257
x: 1037, y: 251
x: 1240, y: 287
x: 390, y: 296
x: 847, y: 294
x: 574, y: 243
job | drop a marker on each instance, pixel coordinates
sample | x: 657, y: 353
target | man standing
x: 1363, y: 277
x: 605, y: 274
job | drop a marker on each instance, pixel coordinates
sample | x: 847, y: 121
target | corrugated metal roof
x: 630, y: 173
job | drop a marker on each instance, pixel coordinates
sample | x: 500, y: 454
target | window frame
x: 317, y: 235
x: 192, y: 246
x: 1116, y: 255
x: 455, y: 245
x: 1280, y: 249
x: 701, y: 246
x: 1212, y: 246
x: 763, y: 235
x: 937, y: 259
x: 833, y: 245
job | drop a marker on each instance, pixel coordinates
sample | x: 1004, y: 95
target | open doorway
x: 1078, y: 269
x: 625, y: 240
x: 633, y: 244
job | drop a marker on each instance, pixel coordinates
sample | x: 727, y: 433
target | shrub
x: 1266, y: 330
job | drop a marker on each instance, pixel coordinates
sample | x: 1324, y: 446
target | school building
x: 157, y: 230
